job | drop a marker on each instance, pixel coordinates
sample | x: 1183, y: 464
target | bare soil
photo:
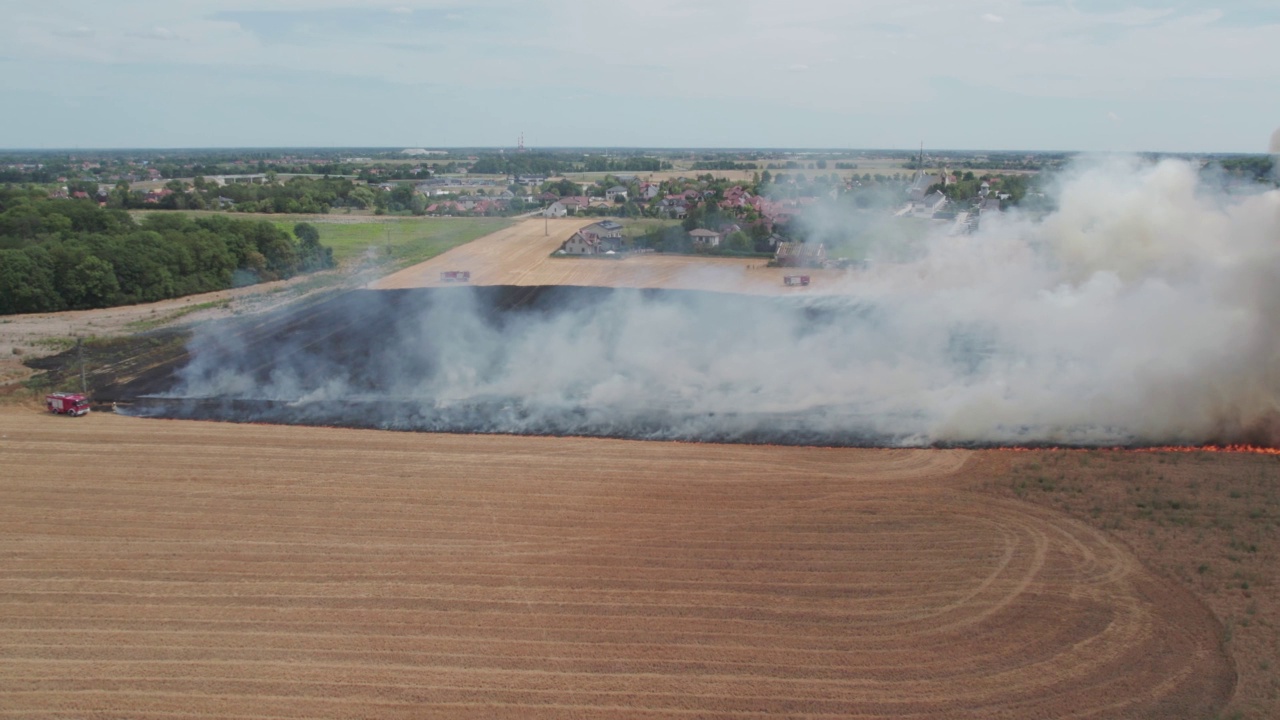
x: 523, y: 255
x: 158, y: 568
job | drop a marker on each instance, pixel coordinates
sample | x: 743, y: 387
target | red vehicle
x: 73, y: 404
x: 455, y: 276
x: 795, y: 280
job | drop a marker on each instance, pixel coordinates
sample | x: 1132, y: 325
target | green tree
x: 91, y: 283
x: 306, y: 233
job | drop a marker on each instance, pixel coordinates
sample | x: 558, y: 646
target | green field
x: 400, y: 242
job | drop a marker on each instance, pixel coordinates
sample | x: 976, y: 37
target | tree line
x: 71, y: 254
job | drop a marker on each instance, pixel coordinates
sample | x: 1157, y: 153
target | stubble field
x: 156, y: 569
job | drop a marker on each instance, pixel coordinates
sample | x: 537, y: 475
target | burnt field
x: 638, y: 364
x: 389, y: 360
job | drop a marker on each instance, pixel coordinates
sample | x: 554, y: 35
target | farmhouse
x: 556, y: 210
x: 615, y: 192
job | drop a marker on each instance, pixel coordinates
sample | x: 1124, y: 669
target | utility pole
x: 84, y: 386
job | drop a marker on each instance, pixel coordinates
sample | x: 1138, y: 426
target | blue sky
x: 1088, y: 75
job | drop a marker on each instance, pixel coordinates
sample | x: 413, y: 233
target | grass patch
x: 401, y: 242
x: 165, y: 319
x: 57, y: 344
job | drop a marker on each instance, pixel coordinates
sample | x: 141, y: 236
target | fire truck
x: 795, y: 280
x: 455, y: 276
x: 73, y: 404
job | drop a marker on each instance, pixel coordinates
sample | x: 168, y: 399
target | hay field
x: 522, y: 255
x: 159, y: 569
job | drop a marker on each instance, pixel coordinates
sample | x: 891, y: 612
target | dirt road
x: 522, y: 255
x: 160, y: 568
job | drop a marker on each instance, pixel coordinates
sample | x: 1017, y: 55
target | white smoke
x: 1143, y: 310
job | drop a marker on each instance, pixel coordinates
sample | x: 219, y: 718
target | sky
x: 1077, y: 75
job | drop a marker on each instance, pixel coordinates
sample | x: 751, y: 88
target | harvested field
x: 1208, y: 520
x: 522, y: 255
x: 154, y: 568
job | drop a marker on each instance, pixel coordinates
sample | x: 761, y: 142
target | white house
x: 556, y: 210
x: 615, y: 192
x: 705, y: 238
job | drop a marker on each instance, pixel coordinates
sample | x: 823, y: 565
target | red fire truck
x: 795, y: 280
x: 455, y: 276
x: 73, y: 404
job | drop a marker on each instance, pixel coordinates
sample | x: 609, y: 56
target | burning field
x: 270, y: 571
x: 1142, y: 312
x: 152, y: 568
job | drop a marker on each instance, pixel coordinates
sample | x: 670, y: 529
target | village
x: 712, y: 216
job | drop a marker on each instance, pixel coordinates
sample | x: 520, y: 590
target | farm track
x: 158, y: 569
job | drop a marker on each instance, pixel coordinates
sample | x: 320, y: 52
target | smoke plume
x: 1143, y: 310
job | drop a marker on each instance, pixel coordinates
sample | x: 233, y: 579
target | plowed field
x: 155, y: 569
x: 522, y: 255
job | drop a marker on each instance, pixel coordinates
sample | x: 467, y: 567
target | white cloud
x: 677, y: 50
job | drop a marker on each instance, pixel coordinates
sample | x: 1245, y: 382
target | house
x: 735, y: 197
x: 506, y: 195
x: 573, y: 203
x: 932, y: 203
x: 556, y: 210
x: 547, y: 197
x: 801, y: 254
x: 673, y: 206
x: 613, y: 193
x: 604, y: 229
x: 649, y: 191
x: 705, y: 238
x: 580, y: 244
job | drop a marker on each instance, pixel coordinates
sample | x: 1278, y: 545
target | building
x: 556, y: 210
x: 573, y: 203
x: 932, y: 203
x: 604, y: 229
x: 615, y: 192
x: 580, y: 244
x: 705, y: 238
x: 801, y: 254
